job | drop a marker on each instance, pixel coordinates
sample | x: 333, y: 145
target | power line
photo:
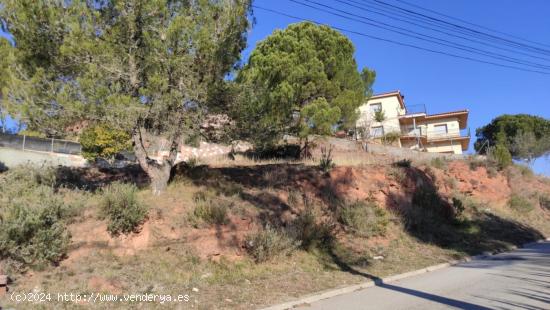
x: 416, y: 18
x: 419, y: 36
x: 472, y: 24
x: 416, y: 21
x: 461, y: 27
x: 400, y: 43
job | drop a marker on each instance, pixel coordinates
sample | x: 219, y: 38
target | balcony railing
x: 420, y: 132
x: 434, y: 135
x: 415, y: 109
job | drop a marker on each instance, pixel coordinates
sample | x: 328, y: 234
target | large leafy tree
x: 526, y: 136
x: 6, y: 56
x: 145, y: 67
x: 300, y: 81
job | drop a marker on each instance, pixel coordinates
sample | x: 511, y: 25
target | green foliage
x: 32, y: 228
x: 525, y: 136
x: 398, y: 174
x: 391, y: 137
x: 149, y: 68
x: 439, y: 163
x: 270, y: 243
x: 544, y: 201
x: 500, y: 156
x: 193, y: 162
x: 209, y: 211
x: 458, y: 206
x: 428, y: 199
x: 325, y: 163
x: 520, y: 204
x: 380, y: 116
x: 474, y: 164
x: 452, y: 183
x: 309, y: 230
x: 364, y: 219
x: 492, y: 172
x: 302, y: 80
x: 102, y: 141
x: 122, y: 208
x: 31, y: 133
x: 525, y: 170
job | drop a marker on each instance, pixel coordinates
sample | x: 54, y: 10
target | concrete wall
x: 453, y: 128
x: 12, y: 157
x: 391, y: 108
x: 445, y: 147
x: 408, y: 153
x: 207, y: 150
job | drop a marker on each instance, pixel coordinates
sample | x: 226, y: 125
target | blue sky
x: 440, y: 82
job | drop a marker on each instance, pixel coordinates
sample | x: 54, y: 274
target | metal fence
x: 39, y: 144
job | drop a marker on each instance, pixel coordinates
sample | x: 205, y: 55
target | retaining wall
x: 406, y: 153
x: 12, y: 157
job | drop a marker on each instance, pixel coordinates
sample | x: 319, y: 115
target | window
x: 377, y: 132
x: 440, y: 130
x: 375, y: 107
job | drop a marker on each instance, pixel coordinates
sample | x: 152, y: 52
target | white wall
x: 453, y: 128
x: 392, y: 111
x: 12, y: 157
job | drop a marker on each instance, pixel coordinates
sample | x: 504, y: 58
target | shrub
x: 492, y: 172
x: 452, y: 183
x: 228, y: 188
x: 102, y: 141
x: 525, y: 171
x: 500, y: 156
x: 286, y: 151
x: 309, y: 231
x: 458, y: 206
x: 325, y: 163
x: 210, y: 212
x: 269, y: 243
x: 379, y: 116
x: 427, y: 198
x: 122, y: 208
x: 391, y: 137
x: 33, y: 236
x: 397, y: 174
x: 544, y: 201
x: 32, y: 227
x: 476, y: 163
x: 364, y: 219
x: 294, y: 197
x: 520, y: 204
x: 193, y: 162
x: 439, y: 163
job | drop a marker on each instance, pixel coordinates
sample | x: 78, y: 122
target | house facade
x: 385, y: 117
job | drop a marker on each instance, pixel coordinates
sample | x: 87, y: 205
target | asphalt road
x: 515, y: 280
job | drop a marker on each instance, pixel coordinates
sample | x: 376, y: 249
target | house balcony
x: 414, y: 109
x: 430, y: 137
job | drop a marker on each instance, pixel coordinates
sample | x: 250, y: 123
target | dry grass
x: 236, y: 285
x: 174, y: 266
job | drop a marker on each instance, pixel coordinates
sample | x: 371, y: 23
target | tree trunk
x: 159, y: 176
x: 305, y: 152
x: 157, y: 170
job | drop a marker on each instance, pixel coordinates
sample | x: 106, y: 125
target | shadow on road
x: 380, y: 283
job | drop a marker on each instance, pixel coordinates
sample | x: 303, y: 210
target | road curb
x: 370, y: 283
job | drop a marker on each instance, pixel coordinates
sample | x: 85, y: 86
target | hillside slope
x: 368, y: 218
